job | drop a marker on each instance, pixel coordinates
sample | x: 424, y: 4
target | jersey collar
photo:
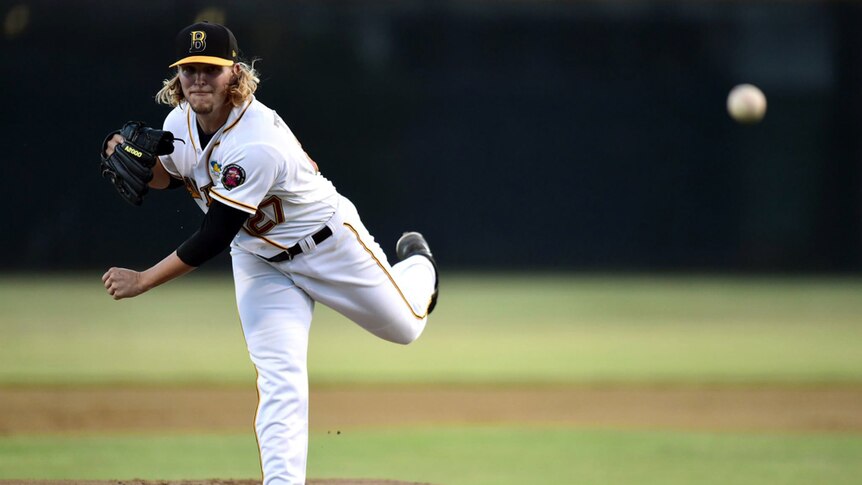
x: 233, y: 118
x: 236, y: 114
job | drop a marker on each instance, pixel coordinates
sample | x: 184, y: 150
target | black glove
x: 130, y: 167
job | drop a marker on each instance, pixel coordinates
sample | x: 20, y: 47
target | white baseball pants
x: 347, y: 272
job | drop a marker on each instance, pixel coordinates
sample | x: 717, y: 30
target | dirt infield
x: 833, y: 409
x: 101, y: 410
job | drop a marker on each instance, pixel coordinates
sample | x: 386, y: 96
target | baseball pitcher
x: 294, y: 240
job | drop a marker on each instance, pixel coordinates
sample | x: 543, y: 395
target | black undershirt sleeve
x: 219, y: 227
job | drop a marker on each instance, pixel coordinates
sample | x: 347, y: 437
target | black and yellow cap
x: 206, y: 43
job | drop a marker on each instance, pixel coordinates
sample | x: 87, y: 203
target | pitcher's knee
x: 406, y: 338
x: 402, y: 333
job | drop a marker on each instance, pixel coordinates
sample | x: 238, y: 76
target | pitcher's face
x: 205, y: 86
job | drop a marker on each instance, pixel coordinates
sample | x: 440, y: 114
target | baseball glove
x: 130, y: 167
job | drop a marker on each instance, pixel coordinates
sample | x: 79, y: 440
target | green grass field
x: 495, y: 329
x: 499, y: 329
x: 460, y: 456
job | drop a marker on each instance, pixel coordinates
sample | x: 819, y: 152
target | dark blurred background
x: 571, y: 135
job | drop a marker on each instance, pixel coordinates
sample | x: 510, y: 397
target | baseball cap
x: 206, y: 43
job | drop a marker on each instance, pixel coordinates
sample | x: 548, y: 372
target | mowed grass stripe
x: 458, y: 455
x: 489, y: 329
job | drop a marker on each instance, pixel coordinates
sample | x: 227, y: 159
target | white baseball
x: 746, y: 103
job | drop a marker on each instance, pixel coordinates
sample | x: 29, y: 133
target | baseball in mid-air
x: 746, y: 103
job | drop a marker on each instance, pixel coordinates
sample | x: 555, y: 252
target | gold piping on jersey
x: 231, y: 201
x: 189, y: 124
x: 371, y: 253
x: 237, y: 119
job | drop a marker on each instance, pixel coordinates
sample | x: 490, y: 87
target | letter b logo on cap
x: 199, y: 41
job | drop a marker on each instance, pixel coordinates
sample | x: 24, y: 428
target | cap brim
x: 218, y: 61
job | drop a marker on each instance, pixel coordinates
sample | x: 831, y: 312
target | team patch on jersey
x: 232, y: 176
x: 215, y: 168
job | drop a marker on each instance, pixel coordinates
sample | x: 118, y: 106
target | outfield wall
x: 565, y: 135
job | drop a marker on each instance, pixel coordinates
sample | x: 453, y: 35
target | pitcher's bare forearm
x: 126, y: 283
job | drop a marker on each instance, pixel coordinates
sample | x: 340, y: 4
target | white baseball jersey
x: 255, y: 164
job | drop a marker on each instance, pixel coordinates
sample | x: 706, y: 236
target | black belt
x: 295, y: 250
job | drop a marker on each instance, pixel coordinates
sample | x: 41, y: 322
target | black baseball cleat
x: 412, y: 244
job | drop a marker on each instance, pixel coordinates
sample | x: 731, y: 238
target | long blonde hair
x: 240, y: 88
